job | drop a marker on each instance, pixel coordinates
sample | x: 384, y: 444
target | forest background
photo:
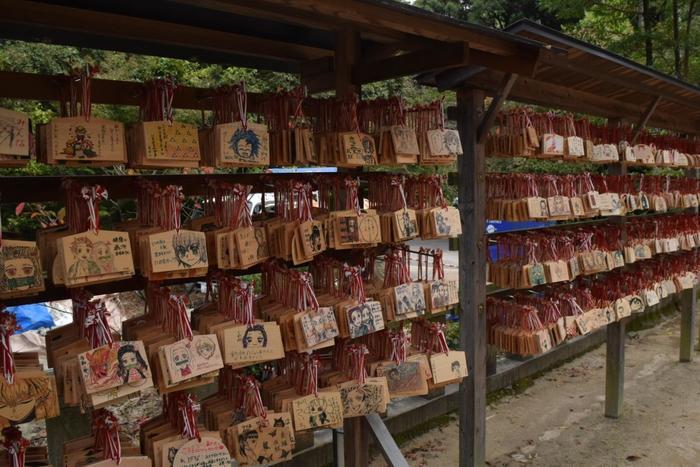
x: 663, y: 34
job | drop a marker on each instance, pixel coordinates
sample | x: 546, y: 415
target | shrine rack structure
x: 341, y: 45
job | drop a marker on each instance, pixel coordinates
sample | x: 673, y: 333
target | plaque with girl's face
x: 118, y: 364
x: 20, y: 268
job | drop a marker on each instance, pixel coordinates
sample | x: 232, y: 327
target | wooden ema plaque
x: 14, y: 138
x: 20, y: 269
x: 235, y: 146
x: 207, y: 452
x: 163, y: 144
x: 76, y: 141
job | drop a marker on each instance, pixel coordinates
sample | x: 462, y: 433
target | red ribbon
x: 252, y: 402
x: 188, y: 408
x: 105, y: 427
x: 93, y: 195
x: 8, y: 326
x: 95, y: 324
x: 357, y: 359
x: 15, y: 445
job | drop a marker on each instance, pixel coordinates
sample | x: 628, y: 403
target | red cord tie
x: 96, y: 326
x: 8, y: 326
x: 105, y: 427
x: 15, y: 445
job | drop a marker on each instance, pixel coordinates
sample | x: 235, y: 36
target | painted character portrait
x: 131, y: 366
x: 452, y: 143
x: 190, y: 250
x: 245, y: 144
x: 83, y: 264
x: 205, y: 348
x: 439, y: 294
x: 248, y: 443
x: 317, y: 413
x: 18, y: 268
x: 315, y: 238
x: 80, y: 146
x: 456, y: 367
x: 361, y: 400
x: 255, y: 336
x: 443, y: 224
x: 102, y: 256
x: 181, y: 359
x: 27, y: 399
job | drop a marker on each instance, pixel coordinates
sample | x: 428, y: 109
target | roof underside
x: 297, y: 36
x: 579, y: 77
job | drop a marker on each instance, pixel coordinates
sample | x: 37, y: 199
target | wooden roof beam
x: 495, y: 107
x: 558, y: 62
x: 645, y: 118
x: 530, y: 91
x: 14, y: 85
x: 288, y: 14
x: 407, y: 64
x: 60, y: 19
x: 393, y: 16
x: 411, y: 63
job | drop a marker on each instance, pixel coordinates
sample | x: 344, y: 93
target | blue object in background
x: 31, y: 317
x: 506, y: 226
x: 493, y: 227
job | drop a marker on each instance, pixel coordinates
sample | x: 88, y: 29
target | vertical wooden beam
x: 356, y: 443
x: 689, y: 304
x: 472, y: 279
x: 347, y: 54
x: 495, y: 107
x: 615, y: 347
x: 615, y: 369
x: 645, y: 118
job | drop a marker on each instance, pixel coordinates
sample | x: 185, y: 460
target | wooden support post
x: 356, y: 443
x: 472, y: 279
x: 645, y: 118
x: 615, y: 369
x: 689, y: 304
x: 615, y: 352
x: 338, y: 456
x: 347, y: 53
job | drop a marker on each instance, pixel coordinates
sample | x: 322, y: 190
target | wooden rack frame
x: 340, y: 45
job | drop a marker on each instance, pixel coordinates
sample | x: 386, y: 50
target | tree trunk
x: 686, y: 39
x: 676, y: 41
x: 648, y: 44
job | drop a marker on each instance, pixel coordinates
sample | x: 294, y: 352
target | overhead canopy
x: 576, y: 76
x: 379, y: 39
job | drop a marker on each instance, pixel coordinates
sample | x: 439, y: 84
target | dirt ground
x: 558, y: 421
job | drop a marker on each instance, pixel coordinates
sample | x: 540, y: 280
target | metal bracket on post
x: 688, y: 323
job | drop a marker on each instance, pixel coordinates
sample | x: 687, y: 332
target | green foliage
x: 527, y: 165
